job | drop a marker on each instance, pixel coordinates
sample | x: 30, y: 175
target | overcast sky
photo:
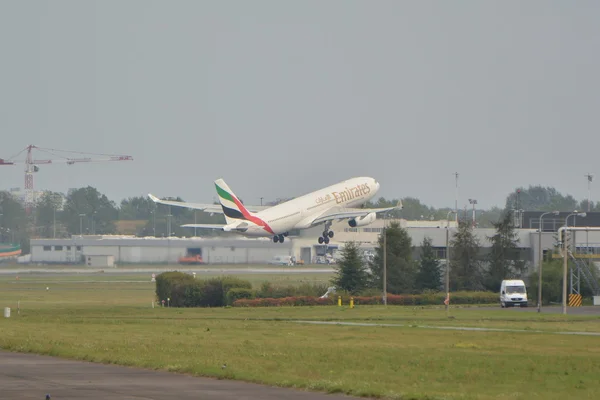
x: 280, y: 98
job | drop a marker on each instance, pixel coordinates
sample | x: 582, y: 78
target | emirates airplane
x: 339, y: 201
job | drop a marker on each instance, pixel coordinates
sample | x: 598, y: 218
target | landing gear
x: 327, y: 234
x: 280, y: 238
x: 323, y: 239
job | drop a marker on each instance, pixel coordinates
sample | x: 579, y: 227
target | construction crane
x: 31, y: 165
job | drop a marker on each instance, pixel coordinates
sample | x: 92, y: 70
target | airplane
x: 336, y: 202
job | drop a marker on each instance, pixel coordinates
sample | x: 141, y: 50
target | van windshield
x: 515, y: 289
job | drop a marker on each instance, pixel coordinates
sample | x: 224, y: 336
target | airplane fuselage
x: 299, y: 212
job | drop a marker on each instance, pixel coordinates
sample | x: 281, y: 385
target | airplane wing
x: 235, y: 227
x: 343, y: 213
x: 204, y: 226
x: 209, y: 208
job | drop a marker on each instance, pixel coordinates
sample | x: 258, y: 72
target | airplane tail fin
x: 233, y: 209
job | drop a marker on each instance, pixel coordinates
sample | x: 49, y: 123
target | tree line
x: 87, y: 211
x: 470, y: 268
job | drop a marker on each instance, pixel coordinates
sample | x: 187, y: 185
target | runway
x: 29, y: 376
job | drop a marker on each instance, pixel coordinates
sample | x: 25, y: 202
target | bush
x: 284, y: 301
x: 172, y: 285
x: 239, y: 293
x: 267, y: 290
x: 185, y: 291
x: 392, y: 299
x: 217, y: 289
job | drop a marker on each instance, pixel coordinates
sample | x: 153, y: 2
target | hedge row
x: 392, y: 299
x: 183, y: 290
x: 285, y: 301
x: 312, y: 289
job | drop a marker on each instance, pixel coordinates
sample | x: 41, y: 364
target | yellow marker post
x: 351, y: 302
x: 340, y: 301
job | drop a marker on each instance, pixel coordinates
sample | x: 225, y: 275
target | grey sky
x: 280, y: 98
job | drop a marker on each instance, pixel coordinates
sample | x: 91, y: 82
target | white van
x: 281, y: 260
x: 513, y: 293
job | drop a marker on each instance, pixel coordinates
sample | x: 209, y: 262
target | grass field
x: 112, y: 320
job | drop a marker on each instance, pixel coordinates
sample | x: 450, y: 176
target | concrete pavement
x: 30, y: 376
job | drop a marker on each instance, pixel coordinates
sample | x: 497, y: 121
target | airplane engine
x: 361, y: 221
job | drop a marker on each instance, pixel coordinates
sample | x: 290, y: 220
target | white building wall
x: 99, y: 261
x: 101, y: 251
x: 256, y: 256
x: 140, y: 250
x: 62, y: 253
x: 47, y: 254
x: 232, y: 255
x: 151, y: 254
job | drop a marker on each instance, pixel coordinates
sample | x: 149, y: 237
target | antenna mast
x: 590, y: 178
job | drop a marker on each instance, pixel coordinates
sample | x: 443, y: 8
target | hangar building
x: 151, y: 250
x: 302, y: 245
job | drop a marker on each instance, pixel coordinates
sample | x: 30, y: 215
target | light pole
x: 55, y: 200
x: 539, y: 304
x: 384, y: 259
x: 53, y: 220
x: 456, y: 196
x: 81, y: 224
x: 575, y: 214
x: 169, y: 219
x: 447, y: 302
x: 473, y: 202
x: 590, y: 177
x: 154, y: 218
x: 565, y: 261
x: 93, y: 223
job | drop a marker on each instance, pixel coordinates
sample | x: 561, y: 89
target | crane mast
x: 31, y: 165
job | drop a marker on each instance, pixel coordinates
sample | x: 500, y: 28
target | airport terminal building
x: 109, y: 250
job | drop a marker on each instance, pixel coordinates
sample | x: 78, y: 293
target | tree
x: 487, y: 218
x: 48, y: 212
x: 351, y: 272
x: 583, y: 206
x: 13, y: 222
x: 413, y: 209
x: 539, y: 198
x: 136, y: 208
x: 465, y: 265
x: 401, y: 269
x: 504, y: 258
x: 552, y: 277
x: 89, y: 210
x: 429, y: 275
